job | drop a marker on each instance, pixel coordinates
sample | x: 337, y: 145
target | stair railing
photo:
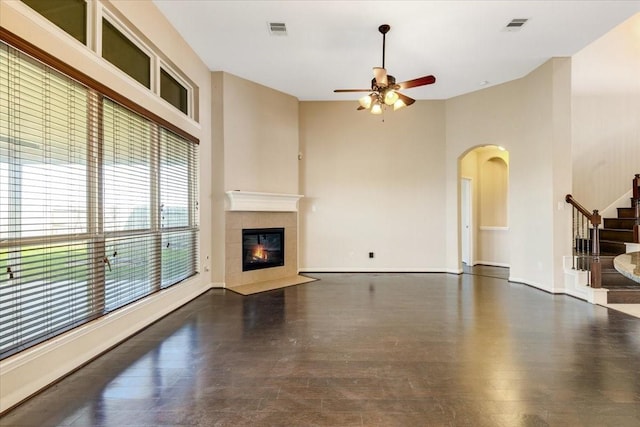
x: 635, y: 202
x: 586, y: 241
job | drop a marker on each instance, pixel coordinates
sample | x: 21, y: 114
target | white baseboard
x: 632, y: 247
x: 372, y: 270
x: 493, y: 263
x: 575, y: 284
x: 31, y: 370
x: 611, y: 211
x: 530, y: 283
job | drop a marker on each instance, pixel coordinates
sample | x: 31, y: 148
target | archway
x: 483, y: 201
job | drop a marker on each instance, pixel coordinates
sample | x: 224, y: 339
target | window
x: 178, y: 194
x: 46, y: 271
x: 124, y: 54
x: 173, y: 92
x: 120, y: 47
x: 98, y: 204
x: 70, y: 15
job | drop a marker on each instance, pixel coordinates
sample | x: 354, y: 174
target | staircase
x: 595, y: 248
x: 617, y: 231
x: 613, y: 235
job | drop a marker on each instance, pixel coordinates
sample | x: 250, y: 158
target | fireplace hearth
x: 262, y: 248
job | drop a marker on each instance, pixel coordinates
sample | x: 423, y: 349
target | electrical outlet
x: 370, y: 254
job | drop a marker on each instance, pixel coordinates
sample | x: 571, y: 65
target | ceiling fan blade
x: 380, y: 75
x: 403, y: 101
x: 352, y: 90
x: 404, y: 98
x: 360, y: 108
x: 420, y: 81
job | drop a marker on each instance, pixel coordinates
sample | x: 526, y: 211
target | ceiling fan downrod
x: 384, y: 29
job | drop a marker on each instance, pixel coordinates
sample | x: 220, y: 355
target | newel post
x: 596, y: 268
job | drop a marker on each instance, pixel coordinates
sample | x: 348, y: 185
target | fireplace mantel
x: 250, y: 201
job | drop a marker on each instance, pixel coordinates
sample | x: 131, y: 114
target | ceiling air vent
x: 516, y: 24
x: 277, y: 28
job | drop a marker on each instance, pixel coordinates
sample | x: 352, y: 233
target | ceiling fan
x: 384, y: 89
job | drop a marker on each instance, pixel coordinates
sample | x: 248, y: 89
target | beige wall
x: 372, y: 186
x: 260, y: 137
x: 255, y: 148
x: 494, y: 180
x: 530, y: 118
x: 216, y: 168
x: 24, y: 373
x: 389, y: 187
x: 606, y: 116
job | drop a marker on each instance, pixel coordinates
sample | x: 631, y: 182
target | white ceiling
x: 335, y: 44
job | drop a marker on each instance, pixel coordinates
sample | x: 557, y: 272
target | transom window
x: 173, y: 92
x: 70, y: 15
x: 120, y: 46
x: 124, y: 54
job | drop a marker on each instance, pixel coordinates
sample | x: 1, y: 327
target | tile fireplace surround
x: 259, y: 210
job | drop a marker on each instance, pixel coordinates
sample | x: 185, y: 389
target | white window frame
x: 163, y: 65
x: 153, y: 58
x: 96, y: 11
x: 53, y: 28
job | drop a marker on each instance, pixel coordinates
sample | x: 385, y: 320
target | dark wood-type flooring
x: 363, y: 350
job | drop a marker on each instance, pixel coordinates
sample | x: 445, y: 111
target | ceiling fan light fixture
x: 376, y: 108
x: 398, y: 105
x: 365, y: 101
x: 380, y: 76
x: 390, y: 97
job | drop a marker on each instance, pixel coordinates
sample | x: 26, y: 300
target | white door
x: 465, y: 226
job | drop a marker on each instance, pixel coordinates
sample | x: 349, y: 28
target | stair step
x: 626, y: 212
x: 615, y: 280
x: 606, y: 262
x: 623, y: 296
x: 616, y: 235
x: 619, y: 223
x: 612, y: 247
x: 607, y: 247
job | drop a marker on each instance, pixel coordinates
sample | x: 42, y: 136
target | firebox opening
x: 262, y: 248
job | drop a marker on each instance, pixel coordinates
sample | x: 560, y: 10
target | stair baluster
x: 635, y: 202
x: 586, y: 244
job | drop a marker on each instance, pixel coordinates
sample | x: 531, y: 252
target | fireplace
x: 262, y: 248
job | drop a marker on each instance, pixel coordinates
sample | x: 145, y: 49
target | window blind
x: 178, y: 207
x: 98, y: 205
x: 128, y: 170
x: 47, y: 280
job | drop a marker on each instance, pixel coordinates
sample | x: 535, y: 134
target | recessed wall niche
x: 493, y: 183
